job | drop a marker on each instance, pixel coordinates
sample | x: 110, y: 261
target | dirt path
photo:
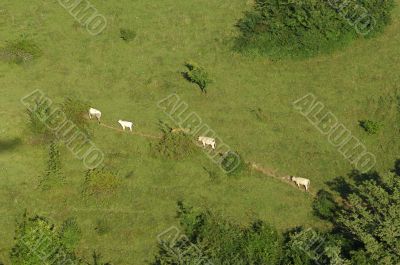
x: 270, y: 172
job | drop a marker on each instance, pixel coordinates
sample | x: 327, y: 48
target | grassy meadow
x: 125, y: 80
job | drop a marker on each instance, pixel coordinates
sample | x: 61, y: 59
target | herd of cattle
x: 206, y: 141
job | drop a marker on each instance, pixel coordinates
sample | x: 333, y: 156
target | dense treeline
x: 366, y: 230
x: 303, y: 28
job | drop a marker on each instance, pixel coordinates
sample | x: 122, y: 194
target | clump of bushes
x: 53, y: 174
x: 127, y: 34
x: 20, y: 51
x: 198, y: 75
x: 324, y: 205
x: 102, y: 226
x: 75, y: 110
x: 306, y: 27
x: 233, y: 163
x: 37, y: 121
x: 172, y: 145
x: 371, y: 127
x: 70, y: 233
x: 101, y: 182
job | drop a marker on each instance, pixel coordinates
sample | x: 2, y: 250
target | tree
x: 301, y: 28
x: 37, y: 242
x: 210, y: 237
x: 371, y: 216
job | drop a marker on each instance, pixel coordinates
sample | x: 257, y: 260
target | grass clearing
x: 125, y: 80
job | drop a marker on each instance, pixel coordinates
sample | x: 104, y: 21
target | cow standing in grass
x: 94, y: 112
x: 207, y: 141
x: 301, y: 182
x: 126, y: 124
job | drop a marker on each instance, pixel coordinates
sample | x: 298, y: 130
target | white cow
x: 301, y: 181
x: 94, y: 112
x: 126, y: 124
x: 207, y: 141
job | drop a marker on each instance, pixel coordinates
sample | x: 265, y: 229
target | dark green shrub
x: 324, y: 205
x: 70, y: 233
x: 213, y: 239
x: 174, y: 146
x: 371, y: 127
x: 37, y: 120
x: 102, y: 227
x: 233, y: 163
x: 311, y: 247
x: 260, y: 114
x: 76, y: 110
x: 101, y: 182
x: 20, y: 51
x: 38, y: 242
x: 305, y: 28
x: 127, y: 34
x: 53, y: 174
x: 196, y: 74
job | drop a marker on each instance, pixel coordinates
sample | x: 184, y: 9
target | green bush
x: 101, y: 182
x: 76, y: 110
x: 371, y: 127
x: 38, y: 242
x: 303, y: 28
x: 233, y: 163
x: 70, y: 233
x: 196, y: 74
x: 53, y: 174
x: 38, y: 118
x: 174, y: 146
x: 127, y: 34
x: 324, y: 205
x: 102, y: 227
x: 214, y: 239
x: 20, y: 51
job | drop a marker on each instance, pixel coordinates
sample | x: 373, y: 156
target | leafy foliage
x: 102, y: 226
x: 37, y: 120
x: 70, y: 233
x: 233, y: 163
x: 325, y: 205
x: 101, y: 182
x: 75, y: 111
x: 372, y: 218
x: 198, y: 75
x: 210, y: 237
x: 371, y: 127
x: 310, y: 247
x: 37, y: 242
x: 304, y: 28
x: 53, y: 174
x: 174, y: 145
x: 127, y: 34
x: 20, y: 51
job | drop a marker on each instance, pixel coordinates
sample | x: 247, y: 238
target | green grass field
x: 126, y: 80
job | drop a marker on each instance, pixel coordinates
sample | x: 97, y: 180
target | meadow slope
x: 126, y: 80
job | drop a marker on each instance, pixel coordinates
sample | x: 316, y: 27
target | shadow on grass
x: 7, y: 145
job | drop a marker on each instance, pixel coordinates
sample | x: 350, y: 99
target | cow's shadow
x: 9, y: 144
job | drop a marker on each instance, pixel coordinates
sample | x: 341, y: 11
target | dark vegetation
x: 101, y: 182
x: 198, y: 75
x: 305, y: 28
x: 53, y: 174
x: 20, y: 51
x: 370, y: 127
x: 127, y: 34
x: 173, y: 145
x: 365, y: 220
